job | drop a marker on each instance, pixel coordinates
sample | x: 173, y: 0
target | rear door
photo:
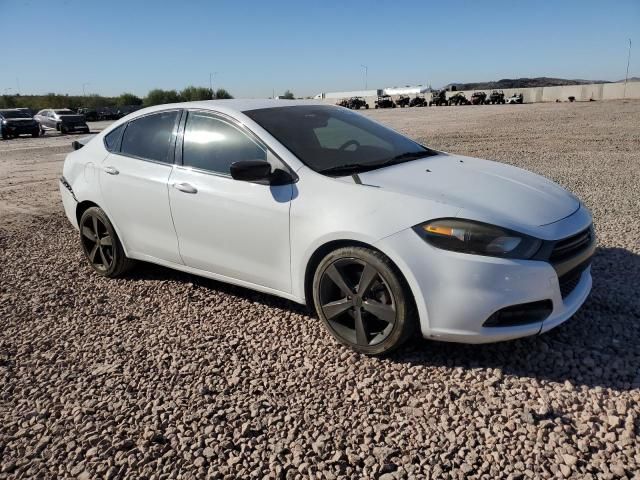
x: 228, y: 227
x: 133, y: 181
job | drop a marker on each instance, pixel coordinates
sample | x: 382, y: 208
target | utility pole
x: 626, y: 78
x: 366, y: 74
x: 83, y: 88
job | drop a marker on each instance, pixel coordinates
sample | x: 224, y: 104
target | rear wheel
x: 101, y: 245
x: 35, y: 133
x: 363, y: 300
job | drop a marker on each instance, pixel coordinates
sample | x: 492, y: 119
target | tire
x: 341, y: 302
x: 106, y: 257
x: 36, y: 134
x: 62, y: 129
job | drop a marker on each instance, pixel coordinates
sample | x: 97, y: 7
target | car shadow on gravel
x: 598, y: 346
x: 149, y: 271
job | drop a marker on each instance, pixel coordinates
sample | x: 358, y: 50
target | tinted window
x: 150, y: 137
x: 337, y: 133
x: 112, y: 139
x: 65, y: 111
x: 326, y: 137
x: 14, y: 114
x: 211, y: 143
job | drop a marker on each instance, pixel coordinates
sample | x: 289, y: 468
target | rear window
x: 64, y: 112
x: 150, y: 137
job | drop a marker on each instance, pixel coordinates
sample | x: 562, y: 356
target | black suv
x: 14, y: 122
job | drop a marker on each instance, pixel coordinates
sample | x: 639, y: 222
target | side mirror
x: 251, y: 170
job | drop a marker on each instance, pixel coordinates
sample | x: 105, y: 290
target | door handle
x: 111, y: 170
x: 185, y: 187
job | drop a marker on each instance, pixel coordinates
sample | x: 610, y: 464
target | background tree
x: 191, y: 94
x: 157, y: 96
x: 288, y: 95
x: 128, y: 99
x: 221, y: 93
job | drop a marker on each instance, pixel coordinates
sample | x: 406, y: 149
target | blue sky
x: 307, y: 46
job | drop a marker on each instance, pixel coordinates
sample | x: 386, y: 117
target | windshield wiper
x: 407, y: 156
x: 348, y: 168
x: 364, y: 167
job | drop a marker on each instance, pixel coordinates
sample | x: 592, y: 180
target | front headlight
x: 477, y: 238
x: 4, y: 122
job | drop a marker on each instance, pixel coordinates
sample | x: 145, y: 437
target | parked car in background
x: 108, y: 113
x: 458, y: 99
x: 516, y: 98
x: 479, y: 98
x: 15, y: 122
x: 90, y: 114
x: 418, y: 101
x: 438, y: 98
x: 124, y: 110
x: 62, y: 120
x: 403, y: 101
x: 496, y: 97
x: 385, y: 101
x: 353, y: 103
x: 387, y: 238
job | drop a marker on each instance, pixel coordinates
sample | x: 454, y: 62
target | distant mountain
x: 523, y: 83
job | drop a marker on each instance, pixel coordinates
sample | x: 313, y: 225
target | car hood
x: 484, y: 189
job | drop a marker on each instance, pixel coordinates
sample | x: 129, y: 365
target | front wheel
x: 363, y: 300
x: 101, y: 245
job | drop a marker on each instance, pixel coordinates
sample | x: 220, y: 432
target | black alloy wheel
x: 363, y: 300
x: 101, y: 245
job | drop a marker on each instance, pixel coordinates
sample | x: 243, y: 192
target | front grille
x: 571, y: 246
x: 569, y: 282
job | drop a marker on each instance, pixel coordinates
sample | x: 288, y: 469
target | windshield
x: 14, y: 114
x: 64, y: 112
x: 335, y: 140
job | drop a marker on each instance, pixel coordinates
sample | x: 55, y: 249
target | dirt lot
x: 165, y: 375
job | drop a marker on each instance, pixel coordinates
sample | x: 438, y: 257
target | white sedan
x: 385, y: 237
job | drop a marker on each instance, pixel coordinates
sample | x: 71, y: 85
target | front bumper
x: 76, y: 127
x: 456, y: 293
x: 21, y: 129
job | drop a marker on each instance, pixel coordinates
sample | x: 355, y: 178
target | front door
x: 236, y: 229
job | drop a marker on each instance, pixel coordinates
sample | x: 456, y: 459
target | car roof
x: 232, y: 106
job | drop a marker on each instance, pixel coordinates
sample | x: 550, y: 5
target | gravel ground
x: 166, y: 375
